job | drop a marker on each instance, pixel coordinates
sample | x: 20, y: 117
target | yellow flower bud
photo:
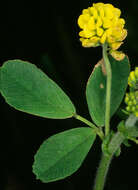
x: 136, y: 72
x: 123, y: 35
x: 109, y: 6
x: 108, y: 13
x: 126, y: 99
x: 133, y: 79
x: 128, y: 109
x: 132, y: 76
x: 134, y: 102
x: 115, y: 22
x: 98, y: 5
x: 103, y: 38
x: 91, y: 24
x: 86, y: 33
x: 85, y: 11
x: 83, y: 20
x: 110, y: 39
x: 131, y: 100
x: 93, y: 11
x: 109, y: 32
x: 115, y: 45
x: 117, y: 12
x: 92, y: 42
x: 101, y: 12
x: 107, y: 23
x: 130, y: 103
x: 133, y: 109
x: 100, y: 31
x: 121, y: 21
x: 99, y: 22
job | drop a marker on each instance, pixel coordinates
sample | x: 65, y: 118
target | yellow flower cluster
x: 131, y: 100
x: 133, y: 79
x: 101, y: 24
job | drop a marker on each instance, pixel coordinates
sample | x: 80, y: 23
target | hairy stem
x: 102, y: 172
x: 113, y: 146
x: 108, y: 89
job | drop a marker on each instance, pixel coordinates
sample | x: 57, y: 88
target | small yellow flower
x: 115, y: 45
x: 92, y: 42
x: 101, y: 23
x: 133, y: 79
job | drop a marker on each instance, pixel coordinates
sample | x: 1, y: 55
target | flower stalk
x: 108, y: 89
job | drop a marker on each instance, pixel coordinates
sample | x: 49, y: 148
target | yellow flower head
x: 133, y: 79
x: 131, y: 100
x: 101, y: 24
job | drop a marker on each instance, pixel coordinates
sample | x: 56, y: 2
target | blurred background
x: 46, y: 34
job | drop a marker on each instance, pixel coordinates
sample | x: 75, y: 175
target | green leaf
x: 96, y: 89
x: 28, y: 89
x: 62, y: 154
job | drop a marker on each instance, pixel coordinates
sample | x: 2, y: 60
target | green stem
x: 102, y: 172
x: 108, y: 89
x: 113, y: 146
x: 96, y: 129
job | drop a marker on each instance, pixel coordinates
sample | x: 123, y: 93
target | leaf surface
x: 28, y: 89
x: 96, y: 88
x: 62, y: 154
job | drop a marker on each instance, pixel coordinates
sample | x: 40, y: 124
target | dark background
x: 46, y: 34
